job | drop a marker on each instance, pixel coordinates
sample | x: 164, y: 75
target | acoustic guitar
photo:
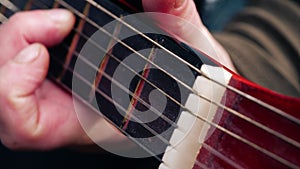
x: 173, y: 101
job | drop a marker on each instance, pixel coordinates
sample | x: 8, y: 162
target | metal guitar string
x: 83, y: 18
x: 131, y: 49
x: 279, y: 135
x: 185, y: 85
x: 211, y: 149
x: 215, y: 152
x: 270, y: 107
x: 9, y: 5
x: 3, y: 19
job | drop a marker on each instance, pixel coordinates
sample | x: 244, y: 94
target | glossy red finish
x: 233, y: 153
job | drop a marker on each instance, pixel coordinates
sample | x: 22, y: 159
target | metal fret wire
x: 191, y: 112
x: 86, y: 61
x: 213, y: 151
x: 259, y: 125
x: 215, y: 125
x: 90, y: 106
x: 279, y: 135
x: 274, y: 109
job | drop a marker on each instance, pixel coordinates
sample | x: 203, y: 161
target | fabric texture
x: 263, y: 42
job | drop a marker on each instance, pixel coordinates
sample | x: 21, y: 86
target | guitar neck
x: 213, y: 116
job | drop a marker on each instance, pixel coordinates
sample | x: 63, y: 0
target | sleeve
x: 263, y: 42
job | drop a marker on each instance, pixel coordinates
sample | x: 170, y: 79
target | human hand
x: 191, y: 31
x: 36, y: 114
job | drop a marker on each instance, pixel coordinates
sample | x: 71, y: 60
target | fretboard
x: 89, y: 69
x: 123, y: 77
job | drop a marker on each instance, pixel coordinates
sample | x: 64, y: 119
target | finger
x: 43, y: 26
x: 182, y: 21
x: 185, y: 9
x: 20, y: 78
x: 187, y: 27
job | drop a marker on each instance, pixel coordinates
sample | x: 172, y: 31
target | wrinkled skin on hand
x: 34, y: 112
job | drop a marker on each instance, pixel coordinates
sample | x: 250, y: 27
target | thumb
x: 20, y: 77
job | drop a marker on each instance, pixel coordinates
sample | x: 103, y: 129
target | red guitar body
x: 244, y: 144
x: 239, y: 154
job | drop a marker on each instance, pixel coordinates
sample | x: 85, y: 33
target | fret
x: 105, y: 60
x: 63, y: 61
x: 113, y: 114
x: 138, y: 89
x: 28, y: 5
x: 56, y: 4
x: 73, y: 43
x: 95, y: 89
x: 75, y: 40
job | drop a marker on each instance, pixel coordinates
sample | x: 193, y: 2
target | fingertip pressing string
x: 275, y: 110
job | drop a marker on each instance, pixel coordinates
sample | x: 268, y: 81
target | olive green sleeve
x: 263, y: 42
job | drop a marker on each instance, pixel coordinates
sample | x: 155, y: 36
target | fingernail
x: 29, y: 54
x: 178, y: 3
x: 59, y: 15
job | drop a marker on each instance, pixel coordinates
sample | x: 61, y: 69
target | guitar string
x: 291, y: 141
x: 82, y: 100
x: 253, y: 145
x: 135, y: 51
x: 3, y: 19
x: 257, y: 124
x: 221, y: 156
x: 8, y: 5
x: 211, y: 149
x: 270, y: 107
x: 118, y: 105
x: 215, y: 152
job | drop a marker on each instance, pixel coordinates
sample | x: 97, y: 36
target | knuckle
x: 17, y: 17
x: 11, y: 101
